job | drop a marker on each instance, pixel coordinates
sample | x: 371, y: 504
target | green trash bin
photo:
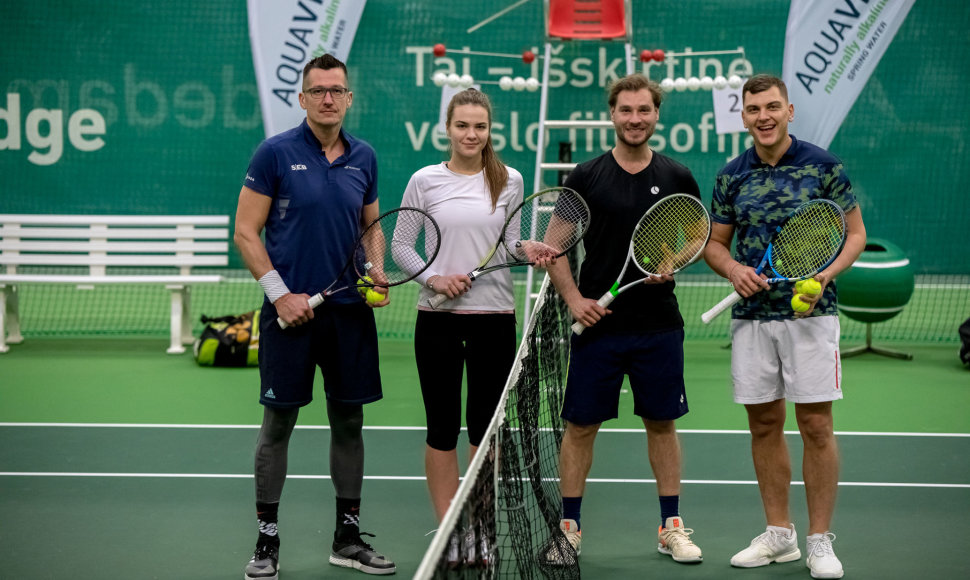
x: 876, y: 288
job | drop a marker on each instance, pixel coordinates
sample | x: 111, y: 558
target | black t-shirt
x: 617, y: 200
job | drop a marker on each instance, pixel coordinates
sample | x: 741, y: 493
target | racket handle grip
x: 437, y: 300
x: 604, y: 301
x: 313, y: 301
x: 720, y: 307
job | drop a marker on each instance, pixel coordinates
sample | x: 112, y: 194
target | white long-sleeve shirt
x: 462, y: 207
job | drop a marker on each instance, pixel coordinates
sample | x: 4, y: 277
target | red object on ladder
x: 588, y: 19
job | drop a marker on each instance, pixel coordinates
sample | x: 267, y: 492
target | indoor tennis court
x: 120, y: 457
x: 119, y: 477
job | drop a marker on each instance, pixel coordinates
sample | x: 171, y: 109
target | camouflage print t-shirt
x: 755, y: 197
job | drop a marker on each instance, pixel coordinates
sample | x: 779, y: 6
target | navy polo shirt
x: 314, y: 220
x: 754, y: 197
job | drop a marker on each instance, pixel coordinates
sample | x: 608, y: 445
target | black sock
x: 571, y: 507
x: 267, y: 516
x: 669, y: 507
x: 348, y: 519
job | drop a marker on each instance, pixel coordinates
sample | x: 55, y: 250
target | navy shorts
x: 341, y: 339
x: 597, y: 363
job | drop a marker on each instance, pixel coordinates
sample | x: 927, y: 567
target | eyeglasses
x: 318, y: 93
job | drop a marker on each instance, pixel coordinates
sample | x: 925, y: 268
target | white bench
x: 163, y: 248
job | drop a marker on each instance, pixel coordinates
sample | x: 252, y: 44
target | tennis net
x: 939, y: 304
x: 506, y: 511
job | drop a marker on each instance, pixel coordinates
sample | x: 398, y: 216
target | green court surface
x: 119, y: 461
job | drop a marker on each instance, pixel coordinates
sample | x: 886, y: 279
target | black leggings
x: 346, y: 450
x: 444, y: 344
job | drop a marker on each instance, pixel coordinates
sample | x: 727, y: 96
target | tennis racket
x: 547, y: 223
x: 392, y: 250
x: 807, y: 241
x: 667, y: 239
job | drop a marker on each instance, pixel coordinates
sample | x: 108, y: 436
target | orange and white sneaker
x: 674, y: 540
x: 564, y: 553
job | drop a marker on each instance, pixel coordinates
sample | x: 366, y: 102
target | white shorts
x: 796, y: 360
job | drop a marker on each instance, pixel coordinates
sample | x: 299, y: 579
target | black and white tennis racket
x: 667, y: 239
x: 392, y: 250
x: 548, y: 223
x: 804, y: 244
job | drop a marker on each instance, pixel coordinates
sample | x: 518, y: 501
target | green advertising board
x: 149, y: 107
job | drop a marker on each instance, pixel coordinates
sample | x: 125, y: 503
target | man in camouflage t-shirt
x: 777, y: 354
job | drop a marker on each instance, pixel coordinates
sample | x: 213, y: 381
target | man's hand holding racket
x: 806, y: 242
x: 393, y: 249
x: 670, y: 236
x: 294, y: 309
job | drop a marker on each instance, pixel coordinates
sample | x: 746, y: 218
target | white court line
x: 195, y: 426
x: 743, y: 432
x: 421, y: 478
x: 187, y: 475
x: 414, y: 428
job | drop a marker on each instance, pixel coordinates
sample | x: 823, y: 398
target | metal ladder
x: 541, y: 164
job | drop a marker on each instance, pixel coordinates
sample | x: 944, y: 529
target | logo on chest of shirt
x: 298, y: 167
x: 655, y: 190
x: 352, y: 167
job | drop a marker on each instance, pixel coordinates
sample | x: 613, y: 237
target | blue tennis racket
x: 804, y: 244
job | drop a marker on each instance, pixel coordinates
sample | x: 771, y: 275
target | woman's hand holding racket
x: 546, y: 225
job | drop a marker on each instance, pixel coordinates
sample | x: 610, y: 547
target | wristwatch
x: 430, y: 283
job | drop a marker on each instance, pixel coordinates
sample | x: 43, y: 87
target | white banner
x: 831, y: 49
x: 284, y: 35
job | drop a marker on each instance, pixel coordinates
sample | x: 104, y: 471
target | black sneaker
x: 358, y: 554
x: 265, y: 564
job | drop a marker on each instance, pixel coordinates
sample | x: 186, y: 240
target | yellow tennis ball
x: 809, y: 287
x: 363, y: 289
x: 798, y: 305
x: 373, y: 296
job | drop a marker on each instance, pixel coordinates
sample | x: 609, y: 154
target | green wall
x: 175, y: 85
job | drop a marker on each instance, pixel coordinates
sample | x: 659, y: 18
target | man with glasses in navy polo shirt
x: 312, y: 189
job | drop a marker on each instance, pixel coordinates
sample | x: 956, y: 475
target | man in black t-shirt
x: 640, y: 335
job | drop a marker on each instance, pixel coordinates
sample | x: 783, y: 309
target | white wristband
x: 273, y: 286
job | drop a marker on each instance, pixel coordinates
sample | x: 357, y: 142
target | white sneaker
x: 452, y: 551
x: 821, y: 559
x: 674, y: 540
x: 468, y: 546
x: 775, y: 545
x: 559, y: 553
x: 477, y: 549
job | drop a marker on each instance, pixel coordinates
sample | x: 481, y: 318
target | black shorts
x: 653, y: 361
x: 341, y: 339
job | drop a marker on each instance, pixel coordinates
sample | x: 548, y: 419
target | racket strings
x: 397, y: 247
x: 808, y: 241
x: 549, y: 223
x: 671, y: 235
